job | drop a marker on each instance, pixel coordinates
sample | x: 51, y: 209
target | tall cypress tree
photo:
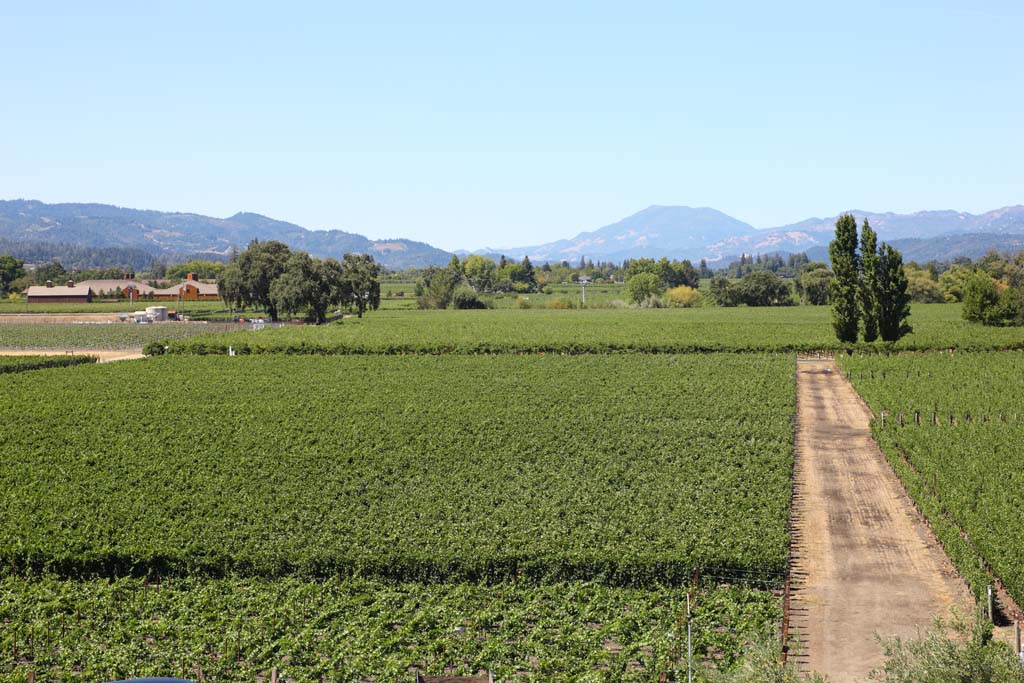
x: 894, y: 302
x: 843, y: 290
x: 869, y: 285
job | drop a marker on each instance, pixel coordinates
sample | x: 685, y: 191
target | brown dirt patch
x: 864, y: 562
x: 105, y: 355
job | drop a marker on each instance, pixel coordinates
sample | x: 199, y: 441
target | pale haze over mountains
x: 672, y: 231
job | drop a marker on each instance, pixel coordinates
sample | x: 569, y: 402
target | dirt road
x: 864, y: 561
x: 104, y: 355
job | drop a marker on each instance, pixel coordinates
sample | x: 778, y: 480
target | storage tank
x: 157, y: 313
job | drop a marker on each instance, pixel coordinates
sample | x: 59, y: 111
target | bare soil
x: 105, y: 355
x: 865, y: 564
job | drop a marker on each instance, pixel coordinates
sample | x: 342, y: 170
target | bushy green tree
x: 360, y: 274
x: 984, y: 303
x: 953, y: 281
x: 10, y: 270
x: 813, y: 282
x: 845, y: 285
x: 480, y: 272
x: 643, y: 285
x: 53, y: 271
x: 465, y: 298
x: 435, y: 288
x: 724, y: 292
x: 247, y: 280
x: 301, y: 288
x: 870, y: 294
x: 893, y: 298
x: 764, y: 288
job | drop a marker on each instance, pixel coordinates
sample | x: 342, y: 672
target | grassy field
x: 962, y: 462
x: 936, y: 326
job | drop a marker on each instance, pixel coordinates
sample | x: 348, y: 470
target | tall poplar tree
x: 894, y: 301
x: 844, y: 288
x: 869, y: 285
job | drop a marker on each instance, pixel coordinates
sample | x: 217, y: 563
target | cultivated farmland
x: 958, y: 450
x: 799, y: 328
x: 533, y: 515
x: 632, y: 469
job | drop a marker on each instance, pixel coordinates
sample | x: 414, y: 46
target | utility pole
x: 584, y: 281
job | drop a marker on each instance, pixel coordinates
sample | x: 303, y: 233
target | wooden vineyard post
x: 31, y: 677
x: 917, y: 418
x: 991, y: 605
x: 273, y: 675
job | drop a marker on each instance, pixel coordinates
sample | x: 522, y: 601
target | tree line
x: 271, y: 276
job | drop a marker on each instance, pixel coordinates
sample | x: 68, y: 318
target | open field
x: 630, y: 469
x: 936, y: 326
x: 965, y: 472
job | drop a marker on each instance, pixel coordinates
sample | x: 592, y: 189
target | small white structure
x: 157, y: 313
x: 140, y: 317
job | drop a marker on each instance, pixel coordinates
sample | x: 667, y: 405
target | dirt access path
x: 104, y: 355
x: 864, y: 562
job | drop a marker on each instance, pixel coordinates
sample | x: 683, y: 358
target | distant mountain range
x: 696, y: 233
x: 179, y: 234
x: 100, y: 231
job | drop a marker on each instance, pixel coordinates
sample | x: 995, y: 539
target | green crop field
x: 962, y: 462
x: 99, y: 336
x: 540, y: 517
x: 629, y: 468
x: 23, y: 363
x: 797, y: 328
x: 357, y: 629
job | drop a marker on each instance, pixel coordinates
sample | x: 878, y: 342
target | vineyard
x: 23, y: 363
x: 355, y: 629
x: 630, y: 469
x: 99, y: 336
x: 953, y: 430
x: 800, y: 328
x: 539, y: 516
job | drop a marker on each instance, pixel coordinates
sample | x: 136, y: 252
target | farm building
x: 122, y: 289
x: 191, y: 289
x: 54, y: 294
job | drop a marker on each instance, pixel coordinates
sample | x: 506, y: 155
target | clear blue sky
x: 473, y: 124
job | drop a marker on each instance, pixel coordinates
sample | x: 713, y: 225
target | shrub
x: 652, y: 301
x: 154, y: 348
x: 523, y: 302
x: 642, y: 286
x: 684, y: 297
x: 561, y: 303
x: 466, y: 298
x: 972, y: 655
